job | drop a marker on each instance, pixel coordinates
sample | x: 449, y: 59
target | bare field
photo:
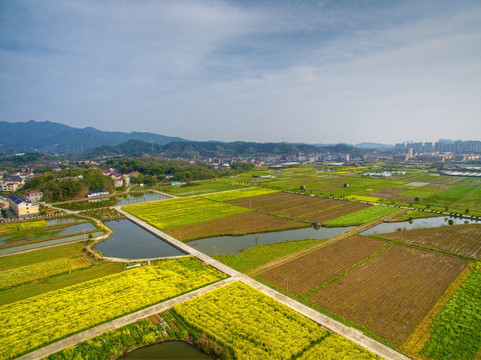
x: 304, y: 208
x: 391, y: 193
x: 457, y: 239
x: 391, y: 294
x: 250, y: 222
x: 309, y: 271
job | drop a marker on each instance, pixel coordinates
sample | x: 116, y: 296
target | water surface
x: 122, y: 199
x: 130, y: 241
x: 229, y: 245
x: 423, y: 223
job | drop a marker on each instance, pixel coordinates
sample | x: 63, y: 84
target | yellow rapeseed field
x: 32, y: 323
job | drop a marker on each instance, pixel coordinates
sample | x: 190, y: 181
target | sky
x: 318, y: 72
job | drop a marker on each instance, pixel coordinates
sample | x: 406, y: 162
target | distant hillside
x: 50, y: 137
x: 188, y: 149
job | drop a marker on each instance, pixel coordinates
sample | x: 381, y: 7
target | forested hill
x: 189, y: 149
x: 51, y: 137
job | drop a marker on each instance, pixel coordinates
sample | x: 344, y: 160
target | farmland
x: 258, y: 255
x: 361, y: 217
x: 199, y: 188
x: 390, y: 294
x: 249, y: 222
x: 38, y: 231
x: 255, y: 326
x: 457, y: 239
x: 39, y: 270
x: 455, y: 193
x: 456, y: 332
x: 33, y: 273
x: 311, y: 270
x: 54, y: 315
x: 176, y: 212
x: 301, y: 208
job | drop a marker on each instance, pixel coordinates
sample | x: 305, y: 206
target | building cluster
x: 442, y: 146
x: 225, y: 163
x: 14, y: 181
x: 120, y: 180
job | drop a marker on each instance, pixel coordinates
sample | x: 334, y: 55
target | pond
x: 168, y: 350
x: 229, y: 245
x: 122, y: 199
x: 58, y: 221
x: 423, y: 223
x: 72, y: 229
x: 130, y: 241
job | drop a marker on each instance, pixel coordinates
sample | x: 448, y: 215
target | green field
x: 183, y: 211
x: 361, y: 217
x: 456, y: 332
x: 29, y: 258
x: 256, y: 256
x: 456, y: 193
x: 236, y: 195
x: 199, y: 188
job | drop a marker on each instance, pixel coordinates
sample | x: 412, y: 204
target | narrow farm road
x: 310, y: 249
x: 333, y: 325
x: 352, y: 334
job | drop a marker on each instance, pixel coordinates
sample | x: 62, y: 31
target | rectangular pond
x: 72, y: 229
x: 130, y: 241
x: 423, y: 223
x: 122, y: 199
x: 229, y: 245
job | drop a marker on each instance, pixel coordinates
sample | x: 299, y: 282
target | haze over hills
x: 190, y: 149
x: 51, y: 137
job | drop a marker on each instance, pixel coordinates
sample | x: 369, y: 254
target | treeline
x: 69, y: 184
x: 192, y: 149
x: 152, y: 171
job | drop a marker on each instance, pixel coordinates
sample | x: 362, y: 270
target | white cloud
x: 228, y: 71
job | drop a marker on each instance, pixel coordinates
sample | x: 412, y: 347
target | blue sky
x: 299, y: 71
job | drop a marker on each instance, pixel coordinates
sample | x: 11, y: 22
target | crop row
x: 236, y: 195
x: 456, y: 332
x: 22, y: 226
x: 31, y: 323
x: 176, y: 212
x: 362, y: 217
x: 251, y: 324
x: 40, y: 270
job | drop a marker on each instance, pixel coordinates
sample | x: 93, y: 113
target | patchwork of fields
x: 254, y: 326
x: 54, y: 315
x: 387, y: 285
x: 457, y: 239
x: 302, y: 208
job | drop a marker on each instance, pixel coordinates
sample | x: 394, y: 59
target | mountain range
x: 50, y: 137
x: 55, y: 138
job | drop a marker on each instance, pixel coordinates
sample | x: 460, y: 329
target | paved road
x: 352, y: 334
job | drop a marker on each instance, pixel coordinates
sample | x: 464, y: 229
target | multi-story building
x: 22, y: 207
x: 34, y: 196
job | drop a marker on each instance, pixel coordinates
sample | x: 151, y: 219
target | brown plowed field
x: 457, y: 239
x: 315, y: 268
x: 250, y: 222
x: 391, y: 294
x: 305, y: 208
x: 390, y: 193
